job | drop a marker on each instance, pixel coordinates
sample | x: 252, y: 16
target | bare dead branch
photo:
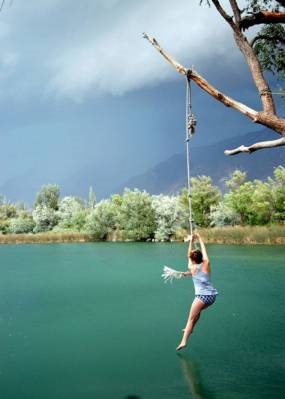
x: 262, y: 17
x: 179, y: 68
x: 203, y: 84
x: 257, y: 146
x: 264, y: 118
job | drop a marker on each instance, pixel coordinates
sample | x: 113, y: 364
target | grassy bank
x: 224, y: 235
x: 245, y: 235
x: 43, y: 238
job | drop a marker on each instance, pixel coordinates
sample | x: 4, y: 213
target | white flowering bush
x: 166, y: 210
x: 45, y: 218
x: 22, y: 224
x: 68, y: 208
x: 49, y: 196
x: 224, y: 215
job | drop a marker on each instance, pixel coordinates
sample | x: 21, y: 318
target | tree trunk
x: 256, y: 72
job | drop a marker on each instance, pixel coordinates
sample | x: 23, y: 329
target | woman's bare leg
x: 194, y: 315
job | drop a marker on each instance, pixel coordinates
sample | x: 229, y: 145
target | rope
x: 190, y: 130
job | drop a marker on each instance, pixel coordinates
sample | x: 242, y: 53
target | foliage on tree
x: 224, y: 215
x: 204, y: 197
x: 166, y: 210
x: 237, y: 178
x: 277, y: 189
x: 78, y: 221
x: 251, y: 200
x: 7, y: 212
x: 136, y: 215
x: 24, y: 223
x: 103, y: 219
x: 48, y: 196
x: 68, y: 208
x: 45, y: 218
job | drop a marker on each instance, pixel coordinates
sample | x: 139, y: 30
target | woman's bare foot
x: 181, y: 346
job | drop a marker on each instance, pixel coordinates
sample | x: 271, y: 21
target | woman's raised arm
x: 206, y: 260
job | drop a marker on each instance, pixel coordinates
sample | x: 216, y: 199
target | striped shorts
x: 207, y: 299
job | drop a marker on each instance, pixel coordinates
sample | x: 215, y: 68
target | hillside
x: 170, y: 175
x: 167, y: 176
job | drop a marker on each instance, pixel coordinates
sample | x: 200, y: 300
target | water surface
x: 96, y: 321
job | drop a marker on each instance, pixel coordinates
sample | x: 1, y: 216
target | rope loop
x: 191, y: 121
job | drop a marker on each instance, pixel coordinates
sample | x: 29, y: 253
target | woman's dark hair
x: 196, y: 256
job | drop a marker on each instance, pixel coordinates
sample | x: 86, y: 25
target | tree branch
x: 236, y: 11
x: 223, y: 13
x: 264, y: 118
x: 203, y: 84
x: 268, y: 119
x: 262, y: 17
x: 180, y: 68
x: 257, y: 146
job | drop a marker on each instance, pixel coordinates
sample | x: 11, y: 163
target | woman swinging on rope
x: 205, y: 293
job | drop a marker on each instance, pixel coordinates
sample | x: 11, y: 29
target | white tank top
x: 202, y: 283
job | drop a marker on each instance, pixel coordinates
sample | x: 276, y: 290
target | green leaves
x: 137, y: 216
x: 204, y: 197
x: 48, y: 196
x: 269, y: 46
x: 255, y: 6
x: 258, y: 202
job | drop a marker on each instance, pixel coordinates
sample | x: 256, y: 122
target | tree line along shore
x: 246, y: 212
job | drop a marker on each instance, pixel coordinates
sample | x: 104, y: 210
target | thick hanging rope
x: 191, y: 123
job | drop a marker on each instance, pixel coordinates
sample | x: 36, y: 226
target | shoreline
x: 237, y: 235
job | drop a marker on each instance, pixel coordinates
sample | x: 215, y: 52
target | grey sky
x: 79, y: 86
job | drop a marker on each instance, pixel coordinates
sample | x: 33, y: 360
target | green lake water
x: 96, y: 321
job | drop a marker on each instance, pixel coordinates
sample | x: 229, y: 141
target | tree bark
x: 262, y: 17
x: 256, y: 73
x: 249, y: 55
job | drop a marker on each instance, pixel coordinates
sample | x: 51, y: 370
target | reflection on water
x: 193, y: 379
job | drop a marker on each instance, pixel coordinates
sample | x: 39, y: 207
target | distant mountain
x: 166, y: 177
x: 72, y: 181
x: 169, y: 176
